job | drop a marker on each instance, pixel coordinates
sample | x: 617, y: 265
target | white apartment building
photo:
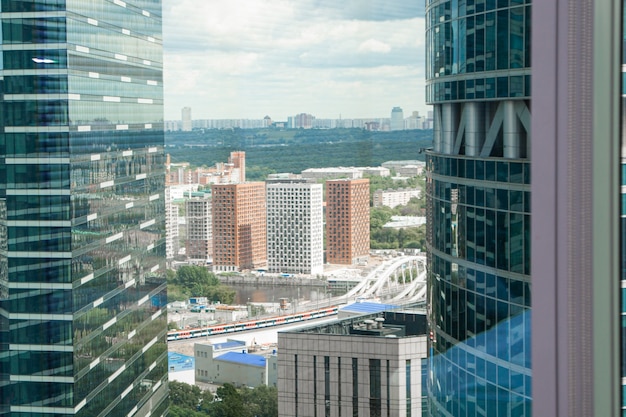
x: 393, y: 198
x: 186, y: 119
x: 199, y: 238
x: 171, y: 226
x: 330, y: 173
x: 295, y: 226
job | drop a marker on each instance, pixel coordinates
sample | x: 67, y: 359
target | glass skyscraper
x: 478, y: 189
x: 82, y: 224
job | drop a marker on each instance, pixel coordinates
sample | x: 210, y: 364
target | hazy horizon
x: 248, y: 59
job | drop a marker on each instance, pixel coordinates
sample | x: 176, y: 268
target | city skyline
x: 228, y: 60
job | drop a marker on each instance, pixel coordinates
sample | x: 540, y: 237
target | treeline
x: 270, y: 151
x: 196, y: 281
x: 228, y: 401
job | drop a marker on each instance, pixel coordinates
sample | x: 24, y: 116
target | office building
x: 239, y: 227
x: 397, y: 119
x: 82, y: 282
x: 295, y: 227
x: 394, y: 198
x: 186, y: 119
x: 478, y: 189
x: 199, y: 237
x: 334, y: 173
x: 347, y: 221
x: 368, y: 365
x: 409, y: 168
x: 578, y: 212
x: 233, y: 363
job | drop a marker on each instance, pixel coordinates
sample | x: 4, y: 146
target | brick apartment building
x: 347, y: 221
x: 239, y: 227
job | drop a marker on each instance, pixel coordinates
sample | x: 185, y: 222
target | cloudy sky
x: 251, y: 58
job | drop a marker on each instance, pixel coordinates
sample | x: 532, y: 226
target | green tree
x: 230, y: 403
x: 221, y: 293
x: 184, y: 395
x: 177, y: 411
x: 261, y: 401
x: 189, y: 276
x: 206, y: 402
x: 379, y: 216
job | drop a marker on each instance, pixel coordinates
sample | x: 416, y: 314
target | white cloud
x: 248, y: 58
x: 373, y: 45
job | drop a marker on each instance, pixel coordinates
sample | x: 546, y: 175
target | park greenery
x: 197, y: 281
x: 294, y: 150
x: 387, y: 238
x: 228, y: 401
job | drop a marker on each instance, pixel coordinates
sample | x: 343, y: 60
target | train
x: 250, y: 324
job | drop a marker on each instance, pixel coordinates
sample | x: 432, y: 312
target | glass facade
x: 82, y: 287
x: 478, y: 189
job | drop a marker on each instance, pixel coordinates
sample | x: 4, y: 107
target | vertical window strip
x: 327, y: 386
x: 339, y: 386
x: 295, y: 373
x: 355, y: 387
x: 408, y: 388
x: 315, y: 385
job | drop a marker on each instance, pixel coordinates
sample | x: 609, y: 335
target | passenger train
x: 249, y: 325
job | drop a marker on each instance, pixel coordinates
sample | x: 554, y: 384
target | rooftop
x: 230, y: 344
x: 395, y: 323
x: 368, y: 307
x: 242, y: 358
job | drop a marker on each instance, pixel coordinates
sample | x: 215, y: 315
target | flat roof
x: 243, y: 358
x: 228, y: 344
x: 368, y: 307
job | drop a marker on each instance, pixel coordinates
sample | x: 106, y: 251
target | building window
x: 408, y: 388
x: 375, y: 400
x: 327, y: 386
x: 315, y: 385
x: 339, y: 386
x: 389, y: 390
x: 355, y: 387
x: 295, y: 376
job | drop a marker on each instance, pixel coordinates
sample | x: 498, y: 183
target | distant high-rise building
x: 347, y: 221
x: 186, y: 119
x: 397, y: 119
x: 239, y: 226
x: 303, y: 121
x: 199, y: 237
x: 238, y: 161
x: 82, y: 223
x: 478, y: 190
x: 295, y: 227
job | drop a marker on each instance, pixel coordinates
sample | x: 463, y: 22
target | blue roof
x: 230, y: 344
x: 368, y: 308
x: 243, y: 358
x: 179, y: 362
